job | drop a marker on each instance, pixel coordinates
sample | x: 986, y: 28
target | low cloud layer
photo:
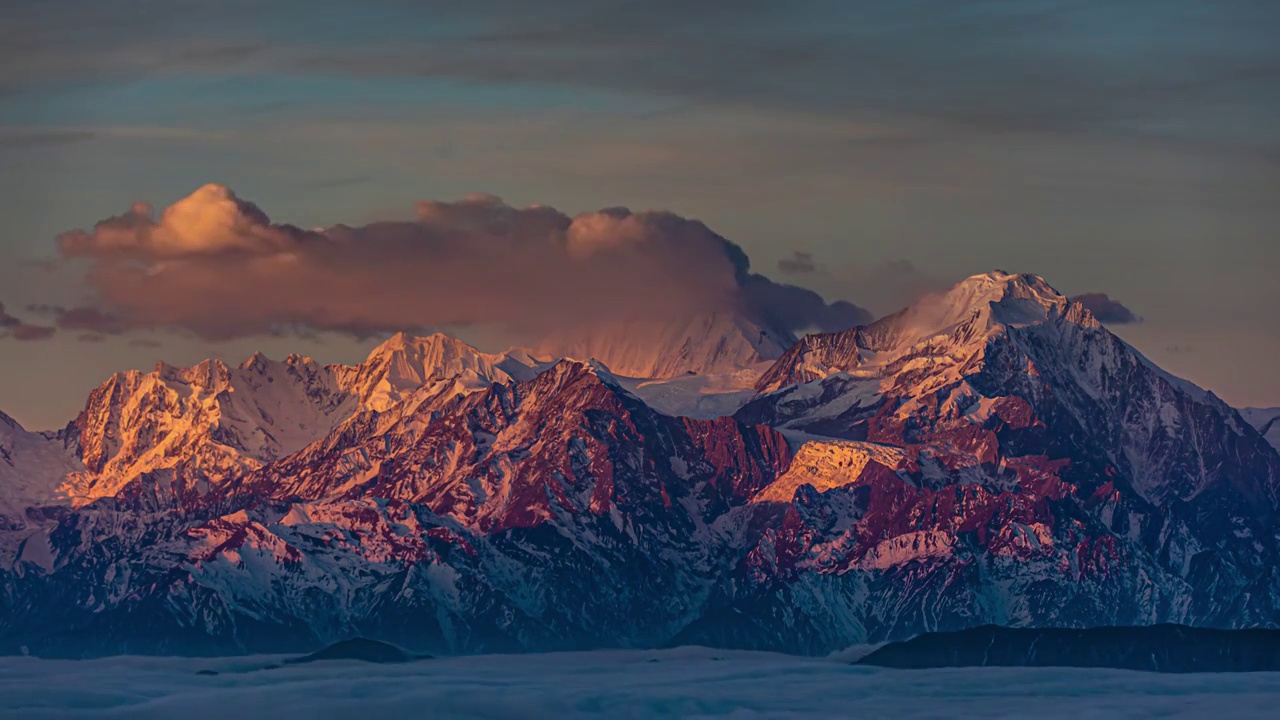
x: 215, y: 265
x: 1107, y: 310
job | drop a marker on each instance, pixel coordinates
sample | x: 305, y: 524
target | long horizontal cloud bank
x: 1175, y: 71
x: 215, y: 265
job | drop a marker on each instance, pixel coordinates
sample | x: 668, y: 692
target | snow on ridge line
x: 240, y: 416
x: 950, y: 324
x: 241, y: 429
x: 705, y: 344
x: 32, y: 467
x: 196, y: 427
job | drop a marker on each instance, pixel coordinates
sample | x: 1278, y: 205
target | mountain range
x: 990, y: 455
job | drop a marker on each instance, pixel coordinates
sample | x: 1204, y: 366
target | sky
x: 492, y: 157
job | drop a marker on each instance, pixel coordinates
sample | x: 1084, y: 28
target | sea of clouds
x: 685, y: 682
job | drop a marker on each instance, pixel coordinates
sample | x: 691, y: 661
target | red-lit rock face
x: 1007, y: 462
x: 569, y: 441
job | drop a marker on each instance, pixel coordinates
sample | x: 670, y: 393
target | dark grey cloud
x: 1155, y: 68
x: 799, y: 309
x: 41, y: 137
x: 215, y: 265
x: 884, y: 287
x: 333, y: 183
x: 7, y: 320
x: 800, y: 263
x: 28, y: 332
x: 895, y: 284
x: 18, y: 329
x: 1167, y: 70
x: 1107, y: 310
x: 88, y: 319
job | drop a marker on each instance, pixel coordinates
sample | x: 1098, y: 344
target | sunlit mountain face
x: 220, y: 179
x: 990, y: 455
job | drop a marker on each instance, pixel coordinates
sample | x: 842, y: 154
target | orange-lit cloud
x: 215, y: 265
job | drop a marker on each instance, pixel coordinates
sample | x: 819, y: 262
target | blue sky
x: 1128, y: 148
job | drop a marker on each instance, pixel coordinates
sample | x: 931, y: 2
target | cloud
x: 800, y: 263
x: 7, y: 320
x: 40, y: 137
x: 1164, y: 69
x: 89, y: 319
x: 18, y: 329
x: 884, y: 288
x: 94, y: 323
x: 211, y: 221
x: 333, y: 183
x: 941, y: 70
x: 24, y: 331
x: 215, y: 265
x: 895, y: 284
x: 1107, y: 310
x: 23, y: 136
x: 797, y: 308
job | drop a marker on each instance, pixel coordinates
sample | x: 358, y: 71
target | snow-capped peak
x: 186, y: 424
x: 404, y: 363
x: 950, y: 327
x: 995, y: 427
x: 182, y: 430
x: 211, y: 374
x: 569, y: 372
x: 705, y: 344
x: 994, y: 298
x: 1001, y: 338
x: 32, y: 466
x: 593, y: 367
